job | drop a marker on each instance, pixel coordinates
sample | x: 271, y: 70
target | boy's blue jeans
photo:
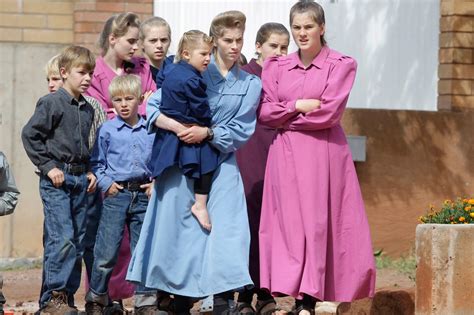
x: 126, y: 207
x: 64, y: 228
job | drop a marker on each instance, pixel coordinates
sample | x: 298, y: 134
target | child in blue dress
x: 185, y: 100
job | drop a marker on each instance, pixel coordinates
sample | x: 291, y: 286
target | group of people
x: 177, y: 178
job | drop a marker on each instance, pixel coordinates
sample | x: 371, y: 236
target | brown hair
x: 314, y: 9
x: 154, y: 21
x: 224, y: 20
x: 267, y: 29
x: 76, y: 56
x: 190, y: 40
x: 118, y: 26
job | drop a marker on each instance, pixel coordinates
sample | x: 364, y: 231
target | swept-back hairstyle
x: 191, y: 40
x: 154, y: 21
x: 267, y: 29
x: 118, y: 26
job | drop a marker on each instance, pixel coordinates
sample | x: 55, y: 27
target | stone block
x: 10, y: 34
x: 21, y: 20
x: 456, y: 23
x: 48, y: 7
x: 60, y: 22
x: 48, y: 36
x: 444, y: 280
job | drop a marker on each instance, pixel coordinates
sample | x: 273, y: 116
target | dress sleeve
x: 8, y: 191
x: 95, y: 91
x: 333, y: 99
x: 36, y: 131
x: 99, y: 160
x: 230, y: 136
x: 153, y: 110
x: 272, y: 111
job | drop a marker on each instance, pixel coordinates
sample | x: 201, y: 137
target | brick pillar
x: 90, y: 16
x: 456, y: 56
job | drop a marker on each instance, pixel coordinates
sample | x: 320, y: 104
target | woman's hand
x: 307, y: 105
x: 193, y: 134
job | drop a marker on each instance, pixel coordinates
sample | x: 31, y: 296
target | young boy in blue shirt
x: 56, y: 140
x: 119, y: 160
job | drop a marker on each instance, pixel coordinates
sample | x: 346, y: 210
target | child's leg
x: 59, y: 239
x: 144, y: 297
x: 202, y: 187
x: 94, y: 207
x: 79, y: 205
x: 109, y: 237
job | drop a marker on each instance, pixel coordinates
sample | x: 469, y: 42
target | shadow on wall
x: 414, y: 158
x: 396, y: 45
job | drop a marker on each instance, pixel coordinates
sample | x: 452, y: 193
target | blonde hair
x: 154, y: 21
x: 190, y: 41
x: 314, y: 9
x: 51, y: 67
x: 76, y: 56
x: 126, y: 84
x: 117, y: 25
x: 225, y: 20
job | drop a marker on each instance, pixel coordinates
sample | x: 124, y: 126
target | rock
x: 384, y: 303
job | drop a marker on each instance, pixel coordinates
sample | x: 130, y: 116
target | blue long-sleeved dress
x: 174, y: 253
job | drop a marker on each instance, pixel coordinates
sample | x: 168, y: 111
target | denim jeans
x: 124, y: 208
x: 94, y: 209
x: 64, y: 228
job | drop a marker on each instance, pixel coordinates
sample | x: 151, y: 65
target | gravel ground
x: 21, y: 289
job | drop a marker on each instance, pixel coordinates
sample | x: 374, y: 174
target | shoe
x: 57, y: 305
x: 146, y: 310
x: 93, y: 308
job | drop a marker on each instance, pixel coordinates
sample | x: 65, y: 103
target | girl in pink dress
x: 272, y: 40
x: 119, y: 42
x: 314, y: 236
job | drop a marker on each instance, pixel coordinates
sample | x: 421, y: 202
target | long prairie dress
x: 174, y: 254
x: 314, y: 234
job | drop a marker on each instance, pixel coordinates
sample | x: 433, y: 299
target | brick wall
x: 456, y: 56
x: 90, y: 16
x: 62, y: 21
x: 36, y: 21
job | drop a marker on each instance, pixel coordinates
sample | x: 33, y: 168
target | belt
x: 133, y: 185
x: 75, y: 168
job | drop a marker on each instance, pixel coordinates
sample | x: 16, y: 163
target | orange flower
x: 467, y: 208
x: 471, y: 201
x: 465, y: 200
x: 462, y: 219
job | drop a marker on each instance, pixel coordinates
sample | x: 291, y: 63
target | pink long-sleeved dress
x: 103, y: 75
x: 314, y: 234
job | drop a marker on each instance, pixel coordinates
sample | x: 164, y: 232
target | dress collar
x: 318, y: 61
x: 216, y: 77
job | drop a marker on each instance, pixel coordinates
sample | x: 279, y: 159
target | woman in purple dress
x: 314, y: 236
x: 272, y: 40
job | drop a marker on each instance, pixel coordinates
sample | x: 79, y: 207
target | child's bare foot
x: 200, y: 212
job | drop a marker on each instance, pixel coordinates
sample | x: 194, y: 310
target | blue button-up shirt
x: 121, y: 153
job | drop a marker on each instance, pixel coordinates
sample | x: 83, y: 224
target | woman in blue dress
x: 174, y: 254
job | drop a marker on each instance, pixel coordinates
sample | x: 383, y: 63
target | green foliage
x: 405, y: 264
x: 460, y: 211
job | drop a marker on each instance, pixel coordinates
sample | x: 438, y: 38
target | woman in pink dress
x: 315, y: 240
x: 119, y: 42
x: 272, y: 40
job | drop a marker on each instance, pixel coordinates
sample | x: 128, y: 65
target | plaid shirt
x: 99, y: 118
